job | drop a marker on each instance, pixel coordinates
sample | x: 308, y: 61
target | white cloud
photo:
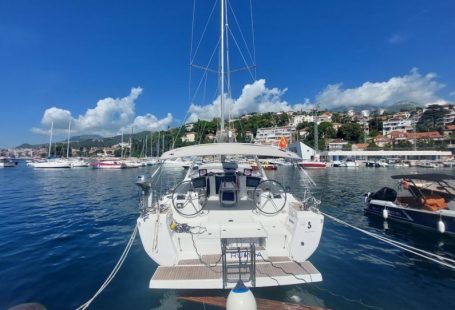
x: 109, y: 117
x: 255, y: 97
x: 412, y: 87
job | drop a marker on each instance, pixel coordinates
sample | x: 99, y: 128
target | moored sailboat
x: 225, y: 222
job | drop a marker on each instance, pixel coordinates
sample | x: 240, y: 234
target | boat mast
x: 131, y: 144
x: 50, y: 141
x: 316, y: 138
x: 121, y: 147
x: 68, y: 146
x: 222, y: 71
x: 151, y: 144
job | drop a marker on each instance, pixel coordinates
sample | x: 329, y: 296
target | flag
x: 283, y: 143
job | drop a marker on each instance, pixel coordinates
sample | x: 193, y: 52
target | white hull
x: 52, y: 164
x: 7, y: 165
x: 288, y: 237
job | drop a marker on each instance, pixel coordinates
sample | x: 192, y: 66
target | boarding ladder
x: 239, y: 263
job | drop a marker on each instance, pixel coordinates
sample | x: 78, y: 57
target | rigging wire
x: 203, y: 32
x: 241, y: 32
x: 241, y: 54
x: 252, y: 36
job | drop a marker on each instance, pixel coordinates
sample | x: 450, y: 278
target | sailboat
x: 225, y: 222
x: 51, y: 162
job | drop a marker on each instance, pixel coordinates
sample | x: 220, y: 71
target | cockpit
x: 219, y: 186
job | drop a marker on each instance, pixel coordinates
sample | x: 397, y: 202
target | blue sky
x: 108, y: 65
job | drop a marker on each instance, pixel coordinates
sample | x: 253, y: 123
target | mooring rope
x: 444, y: 261
x: 113, y: 272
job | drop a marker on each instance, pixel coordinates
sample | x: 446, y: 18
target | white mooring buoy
x: 385, y: 213
x: 441, y: 227
x: 241, y: 298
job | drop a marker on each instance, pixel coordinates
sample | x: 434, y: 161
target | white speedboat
x: 108, y: 164
x: 222, y: 223
x: 6, y: 162
x: 426, y: 164
x: 79, y: 163
x: 351, y: 163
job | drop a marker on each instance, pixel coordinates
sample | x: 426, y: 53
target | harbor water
x: 62, y: 232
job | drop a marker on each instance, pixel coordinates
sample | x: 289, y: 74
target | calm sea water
x: 62, y: 231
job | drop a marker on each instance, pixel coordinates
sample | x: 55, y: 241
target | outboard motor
x: 145, y: 183
x: 385, y: 194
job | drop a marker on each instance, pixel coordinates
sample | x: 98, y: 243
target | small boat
x: 338, y: 163
x: 426, y: 164
x: 79, y: 163
x: 108, y: 164
x: 131, y: 163
x: 7, y: 162
x: 265, y: 165
x: 177, y: 163
x: 425, y: 200
x: 313, y: 165
x: 53, y: 163
x: 351, y: 163
x: 372, y: 164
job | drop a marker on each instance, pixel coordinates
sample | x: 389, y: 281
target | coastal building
x: 272, y: 135
x: 397, y: 124
x: 337, y: 145
x: 365, y: 155
x: 189, y: 137
x: 298, y: 119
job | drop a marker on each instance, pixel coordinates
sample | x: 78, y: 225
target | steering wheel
x: 269, y: 196
x: 186, y: 200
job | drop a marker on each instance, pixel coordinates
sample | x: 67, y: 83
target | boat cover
x: 425, y: 176
x: 243, y: 149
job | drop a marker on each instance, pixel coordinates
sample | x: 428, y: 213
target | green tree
x: 432, y: 118
x: 351, y: 132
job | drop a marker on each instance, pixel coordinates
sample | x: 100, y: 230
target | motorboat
x: 423, y: 200
x: 376, y: 163
x: 351, y: 163
x: 266, y: 165
x: 79, y: 163
x: 132, y: 163
x: 108, y: 164
x: 6, y: 162
x: 224, y: 221
x: 313, y: 164
x: 426, y: 164
x: 338, y: 163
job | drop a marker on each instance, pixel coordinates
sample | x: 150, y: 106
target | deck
x: 192, y: 274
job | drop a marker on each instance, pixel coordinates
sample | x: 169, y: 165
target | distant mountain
x: 85, y: 137
x: 25, y: 146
